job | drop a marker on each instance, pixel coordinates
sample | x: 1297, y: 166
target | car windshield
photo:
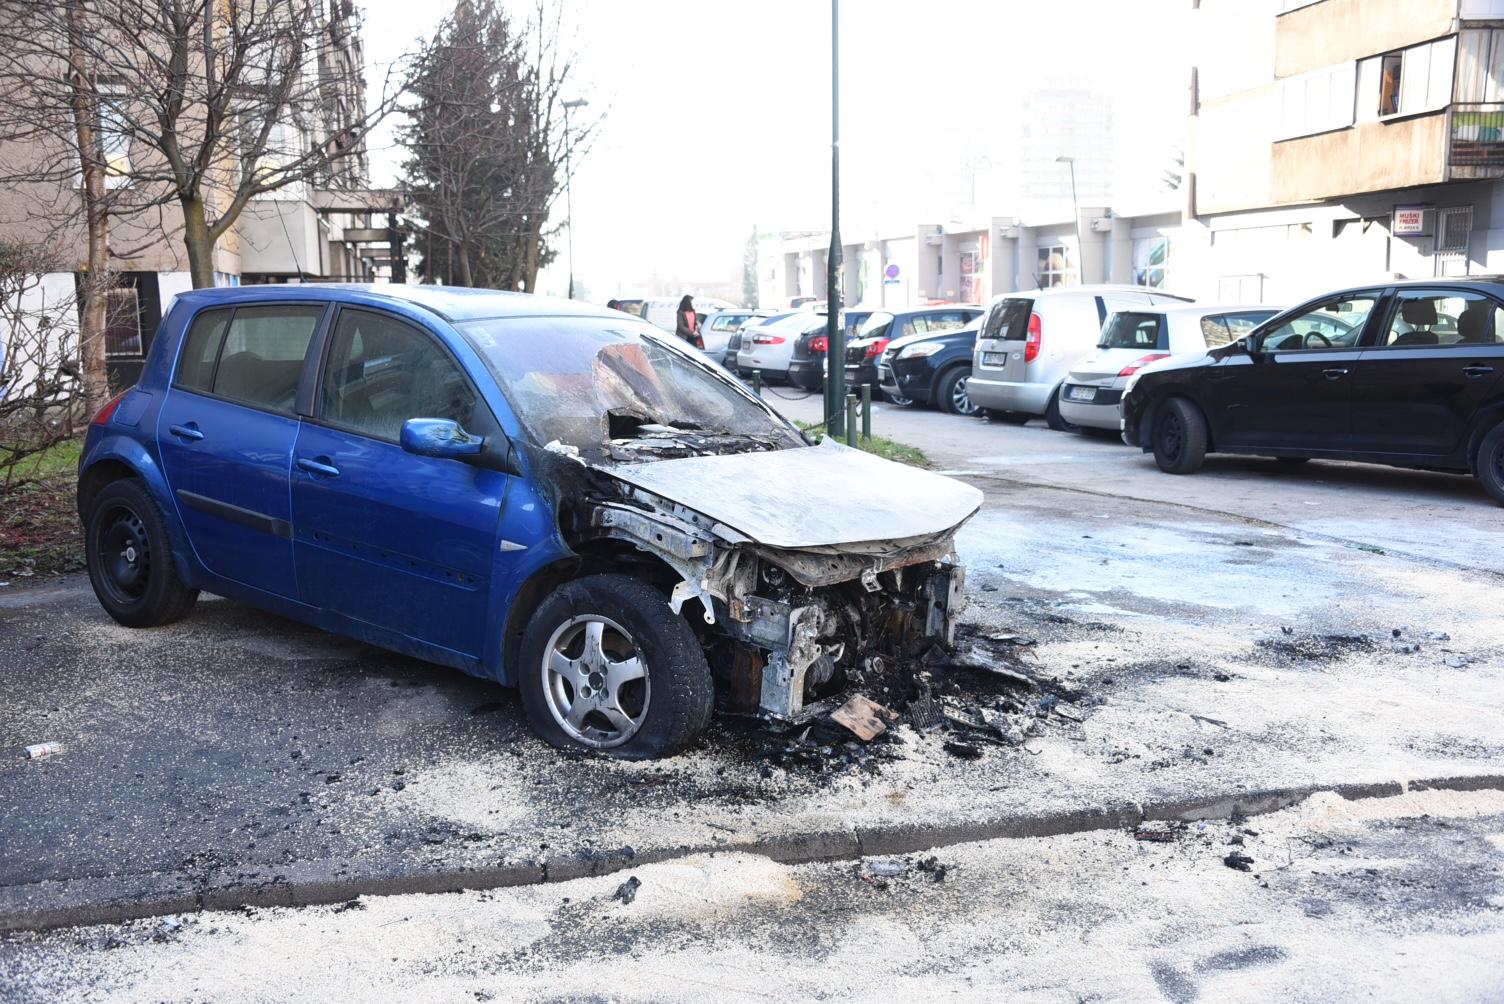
x: 584, y: 382
x: 1128, y: 329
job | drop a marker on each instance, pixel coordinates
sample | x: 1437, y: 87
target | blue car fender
x: 115, y: 447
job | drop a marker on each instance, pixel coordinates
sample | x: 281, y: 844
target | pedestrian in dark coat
x: 687, y: 323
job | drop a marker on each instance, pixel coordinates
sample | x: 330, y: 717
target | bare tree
x: 38, y: 376
x: 487, y: 143
x: 198, y: 106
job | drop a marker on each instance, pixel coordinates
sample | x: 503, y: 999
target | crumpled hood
x: 816, y: 496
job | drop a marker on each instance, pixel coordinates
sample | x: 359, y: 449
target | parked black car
x: 1406, y: 374
x: 931, y: 369
x: 807, y: 365
x: 884, y: 327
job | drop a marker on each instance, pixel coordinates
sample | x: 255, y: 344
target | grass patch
x: 39, y: 532
x: 888, y: 449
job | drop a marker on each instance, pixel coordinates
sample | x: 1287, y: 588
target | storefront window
x: 1151, y: 261
x: 1057, y: 267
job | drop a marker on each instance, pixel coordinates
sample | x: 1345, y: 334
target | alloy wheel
x: 594, y: 681
x: 960, y: 399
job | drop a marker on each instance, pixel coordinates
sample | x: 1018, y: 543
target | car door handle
x: 1477, y: 370
x: 1335, y: 373
x: 189, y: 431
x: 320, y: 466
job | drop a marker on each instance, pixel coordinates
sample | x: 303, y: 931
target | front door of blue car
x: 226, y: 433
x: 386, y: 537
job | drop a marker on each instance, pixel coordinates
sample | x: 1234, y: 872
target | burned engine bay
x: 800, y: 590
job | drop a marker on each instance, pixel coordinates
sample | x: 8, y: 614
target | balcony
x: 1476, y: 145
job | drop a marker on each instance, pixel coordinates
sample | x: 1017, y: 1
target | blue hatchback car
x: 550, y: 495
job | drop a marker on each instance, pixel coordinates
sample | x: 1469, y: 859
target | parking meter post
x: 850, y: 419
x: 866, y: 411
x: 757, y: 382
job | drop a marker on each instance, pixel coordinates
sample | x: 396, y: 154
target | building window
x: 1480, y: 66
x: 1151, y: 261
x: 1408, y: 82
x: 1320, y: 101
x: 122, y: 324
x: 1057, y: 267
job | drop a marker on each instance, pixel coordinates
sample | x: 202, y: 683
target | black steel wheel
x: 1179, y: 437
x: 129, y: 557
x: 1489, y: 463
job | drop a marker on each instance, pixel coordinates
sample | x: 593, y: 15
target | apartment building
x: 1343, y: 141
x: 334, y: 228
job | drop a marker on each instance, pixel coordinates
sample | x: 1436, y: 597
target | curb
x: 50, y: 904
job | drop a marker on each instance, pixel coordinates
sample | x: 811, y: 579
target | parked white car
x: 1031, y: 339
x: 661, y: 311
x: 1132, y: 339
x: 768, y: 347
x: 720, y: 325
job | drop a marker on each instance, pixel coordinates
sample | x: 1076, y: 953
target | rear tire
x: 654, y: 709
x: 1490, y: 463
x: 129, y: 556
x: 1179, y: 437
x: 1052, y: 413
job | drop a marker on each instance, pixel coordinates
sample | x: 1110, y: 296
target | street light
x: 568, y: 185
x: 1076, y: 215
x: 835, y: 335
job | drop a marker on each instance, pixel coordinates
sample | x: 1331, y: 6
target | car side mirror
x: 444, y: 437
x: 440, y: 437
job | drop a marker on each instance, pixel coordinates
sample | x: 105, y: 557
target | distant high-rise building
x: 1064, y: 123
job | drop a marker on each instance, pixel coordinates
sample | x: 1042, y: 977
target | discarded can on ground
x: 41, y: 751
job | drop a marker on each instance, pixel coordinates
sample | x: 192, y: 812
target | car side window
x: 1428, y: 319
x: 1214, y: 331
x: 262, y: 356
x: 382, y: 371
x: 1336, y: 324
x: 201, y: 349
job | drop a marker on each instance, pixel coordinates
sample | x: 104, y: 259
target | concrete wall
x: 1369, y: 157
x: 1229, y: 151
x: 280, y: 237
x: 1336, y: 31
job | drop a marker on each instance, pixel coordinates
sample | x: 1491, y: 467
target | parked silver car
x: 1132, y: 339
x: 1031, y: 340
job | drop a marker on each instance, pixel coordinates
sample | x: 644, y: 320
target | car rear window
x: 876, y: 325
x: 1009, y: 320
x: 1130, y: 329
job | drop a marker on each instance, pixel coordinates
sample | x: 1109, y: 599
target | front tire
x: 607, y: 665
x: 953, y: 398
x: 129, y: 556
x: 1490, y: 463
x: 1179, y: 437
x: 897, y: 400
x: 1052, y: 414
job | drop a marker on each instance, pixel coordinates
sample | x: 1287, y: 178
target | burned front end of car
x: 785, y: 625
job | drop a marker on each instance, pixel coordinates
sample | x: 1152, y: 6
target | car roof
x: 1199, y: 309
x: 452, y: 303
x: 1092, y: 288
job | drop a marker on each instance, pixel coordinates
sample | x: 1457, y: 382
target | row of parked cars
x: 1405, y: 373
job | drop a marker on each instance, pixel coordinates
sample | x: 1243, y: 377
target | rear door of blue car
x: 386, y: 537
x: 226, y: 432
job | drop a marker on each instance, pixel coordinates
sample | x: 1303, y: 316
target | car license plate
x: 994, y: 358
x: 1081, y: 393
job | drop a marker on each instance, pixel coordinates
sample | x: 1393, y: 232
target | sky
x: 716, y: 113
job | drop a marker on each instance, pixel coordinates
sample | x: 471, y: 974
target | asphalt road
x: 1214, y: 639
